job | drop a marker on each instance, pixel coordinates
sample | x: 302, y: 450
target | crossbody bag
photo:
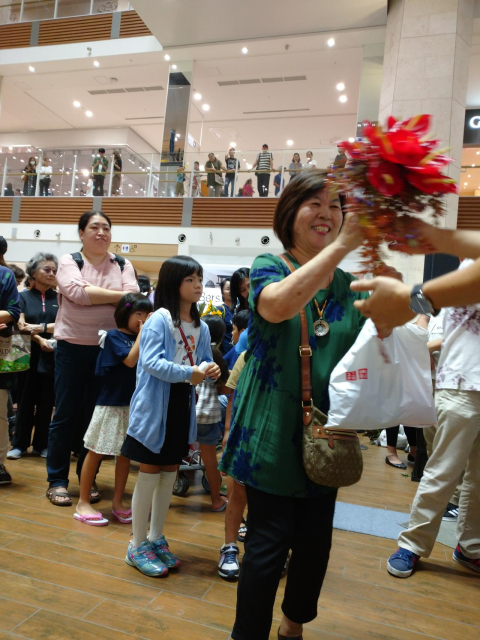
x: 331, y: 457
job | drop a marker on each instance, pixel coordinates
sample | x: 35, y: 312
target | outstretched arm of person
x: 389, y: 304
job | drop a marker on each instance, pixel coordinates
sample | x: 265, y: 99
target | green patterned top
x: 264, y: 448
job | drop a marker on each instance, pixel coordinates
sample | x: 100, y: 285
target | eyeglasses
x: 49, y: 270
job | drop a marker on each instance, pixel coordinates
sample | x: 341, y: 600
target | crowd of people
x: 142, y: 375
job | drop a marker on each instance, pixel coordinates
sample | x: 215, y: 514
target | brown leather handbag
x: 331, y: 457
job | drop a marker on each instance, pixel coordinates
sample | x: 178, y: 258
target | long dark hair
x: 170, y: 277
x: 235, y: 284
x: 216, y: 326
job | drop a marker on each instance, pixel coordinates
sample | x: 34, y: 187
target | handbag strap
x: 187, y: 346
x: 306, y: 352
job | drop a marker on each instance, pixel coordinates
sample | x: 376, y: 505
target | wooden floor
x: 60, y: 579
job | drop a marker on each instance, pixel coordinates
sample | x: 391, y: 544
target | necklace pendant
x: 321, y: 328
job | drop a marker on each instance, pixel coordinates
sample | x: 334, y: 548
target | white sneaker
x: 228, y: 567
x: 15, y: 454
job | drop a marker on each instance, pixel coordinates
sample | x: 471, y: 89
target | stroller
x: 192, y: 463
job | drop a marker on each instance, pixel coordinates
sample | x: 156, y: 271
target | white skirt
x: 107, y: 430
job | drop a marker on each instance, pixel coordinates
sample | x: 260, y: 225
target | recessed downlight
x: 351, y: 139
x: 174, y: 66
x: 289, y: 143
x: 343, y: 98
x: 96, y: 63
x: 341, y: 86
x: 197, y: 96
x: 89, y: 114
x: 331, y: 42
x: 77, y: 104
x: 206, y: 107
x: 244, y: 50
x: 32, y: 69
x: 166, y: 57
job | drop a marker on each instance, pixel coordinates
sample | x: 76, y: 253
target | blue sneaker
x: 144, y: 559
x: 402, y: 563
x: 228, y: 566
x: 161, y: 550
x: 471, y: 563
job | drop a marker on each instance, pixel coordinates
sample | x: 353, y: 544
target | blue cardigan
x: 155, y: 372
x: 9, y: 301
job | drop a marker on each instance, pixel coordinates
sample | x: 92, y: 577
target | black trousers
x: 98, y: 185
x: 35, y: 390
x: 44, y: 187
x: 263, y: 184
x: 392, y: 435
x: 277, y: 524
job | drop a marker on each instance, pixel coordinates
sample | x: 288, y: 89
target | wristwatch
x: 420, y: 303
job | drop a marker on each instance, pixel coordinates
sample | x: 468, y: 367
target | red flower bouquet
x: 392, y: 173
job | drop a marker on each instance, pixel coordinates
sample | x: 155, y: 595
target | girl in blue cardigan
x: 175, y: 356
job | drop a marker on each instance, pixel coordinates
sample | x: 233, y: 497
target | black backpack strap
x: 77, y: 258
x: 120, y: 260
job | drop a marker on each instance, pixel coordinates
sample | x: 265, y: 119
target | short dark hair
x: 101, y: 150
x: 170, y: 277
x: 303, y: 187
x: 216, y: 325
x: 235, y: 284
x: 17, y: 272
x: 223, y: 283
x: 9, y: 185
x: 240, y: 319
x: 144, y: 284
x: 85, y: 219
x: 130, y: 303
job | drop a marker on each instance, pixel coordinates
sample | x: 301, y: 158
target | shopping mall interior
x: 127, y: 104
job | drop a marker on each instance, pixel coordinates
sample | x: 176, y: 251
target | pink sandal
x: 95, y: 521
x: 125, y: 517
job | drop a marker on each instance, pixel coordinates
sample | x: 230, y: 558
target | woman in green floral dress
x: 264, y: 451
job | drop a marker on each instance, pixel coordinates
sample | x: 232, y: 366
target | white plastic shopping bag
x: 383, y: 383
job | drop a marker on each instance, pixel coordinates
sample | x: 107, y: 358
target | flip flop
x: 95, y: 521
x: 125, y: 517
x: 220, y: 509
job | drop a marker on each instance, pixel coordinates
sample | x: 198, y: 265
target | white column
x: 74, y: 173
x: 427, y: 56
x: 4, y: 180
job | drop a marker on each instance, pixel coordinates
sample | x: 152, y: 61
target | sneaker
x: 15, y: 454
x: 471, y: 563
x: 402, y: 562
x: 228, y: 567
x: 144, y: 559
x: 42, y: 453
x: 161, y: 550
x: 5, y: 477
x: 451, y: 513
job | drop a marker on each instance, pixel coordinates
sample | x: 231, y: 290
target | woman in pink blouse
x: 248, y: 190
x: 90, y: 284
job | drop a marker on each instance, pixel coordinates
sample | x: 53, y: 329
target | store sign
x: 192, y: 142
x: 471, y: 135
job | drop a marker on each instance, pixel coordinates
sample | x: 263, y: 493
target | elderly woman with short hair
x: 36, y: 397
x: 286, y: 510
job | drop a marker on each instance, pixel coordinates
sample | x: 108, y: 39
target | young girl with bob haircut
x: 173, y: 344
x: 117, y: 363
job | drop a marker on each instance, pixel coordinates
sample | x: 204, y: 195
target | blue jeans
x: 229, y: 180
x: 76, y: 392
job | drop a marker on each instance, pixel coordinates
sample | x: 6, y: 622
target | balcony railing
x: 29, y: 10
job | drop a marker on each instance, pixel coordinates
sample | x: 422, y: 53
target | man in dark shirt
x: 99, y: 169
x: 8, y: 190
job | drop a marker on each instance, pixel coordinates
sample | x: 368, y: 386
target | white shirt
x: 435, y: 332
x: 192, y: 333
x: 45, y: 170
x: 459, y: 365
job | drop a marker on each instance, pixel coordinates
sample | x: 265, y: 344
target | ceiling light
x: 166, y: 57
x: 130, y: 185
x: 343, y: 98
x: 206, y: 107
x: 244, y: 50
x: 340, y: 86
x: 21, y: 160
x: 32, y: 69
x: 233, y: 144
x: 89, y: 114
x: 76, y: 103
x: 469, y: 176
x: 351, y: 139
x: 478, y: 152
x: 39, y: 149
x: 197, y: 96
x: 85, y: 172
x: 136, y: 191
x: 465, y: 184
x: 10, y: 148
x: 174, y: 66
x: 331, y: 42
x: 290, y: 143
x: 249, y: 166
x: 96, y: 63
x: 202, y: 168
x: 473, y: 165
x: 14, y: 157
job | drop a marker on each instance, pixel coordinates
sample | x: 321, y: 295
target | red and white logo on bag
x: 352, y: 375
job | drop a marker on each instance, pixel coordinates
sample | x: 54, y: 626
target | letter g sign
x: 475, y: 122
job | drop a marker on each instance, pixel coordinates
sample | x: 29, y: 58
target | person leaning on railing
x: 30, y: 177
x: 214, y: 169
x: 263, y: 165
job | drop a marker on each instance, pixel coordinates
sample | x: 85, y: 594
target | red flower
x: 430, y: 182
x: 386, y: 177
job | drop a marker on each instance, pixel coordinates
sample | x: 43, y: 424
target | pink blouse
x: 78, y: 321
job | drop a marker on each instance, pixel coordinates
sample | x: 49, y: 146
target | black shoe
x: 5, y: 477
x: 410, y: 458
x: 451, y: 513
x: 402, y: 465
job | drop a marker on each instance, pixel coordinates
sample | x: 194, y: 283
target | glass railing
x: 29, y: 10
x: 150, y: 175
